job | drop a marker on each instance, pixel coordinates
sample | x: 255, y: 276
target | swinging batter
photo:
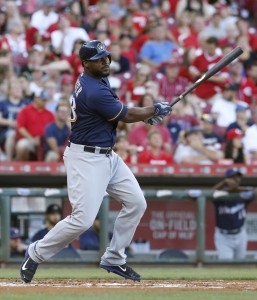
x: 93, y: 168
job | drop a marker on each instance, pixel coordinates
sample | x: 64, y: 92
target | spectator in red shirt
x: 125, y: 41
x: 144, y: 36
x: 234, y: 148
x: 247, y: 91
x: 126, y: 24
x: 135, y: 87
x: 231, y: 36
x: 184, y: 36
x: 66, y: 87
x: 154, y: 154
x: 31, y: 123
x: 171, y: 84
x: 252, y: 73
x: 31, y: 33
x: 210, y: 89
x: 127, y: 152
x: 246, y: 30
x: 138, y: 136
x: 139, y: 18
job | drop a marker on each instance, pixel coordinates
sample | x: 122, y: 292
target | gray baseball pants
x: 231, y: 246
x: 89, y: 176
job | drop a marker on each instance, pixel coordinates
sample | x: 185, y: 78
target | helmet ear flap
x: 110, y: 58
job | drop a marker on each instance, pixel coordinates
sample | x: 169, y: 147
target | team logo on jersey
x: 101, y: 47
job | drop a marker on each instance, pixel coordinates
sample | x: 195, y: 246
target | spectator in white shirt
x: 63, y: 39
x: 224, y: 109
x: 192, y: 150
x: 44, y: 17
x: 250, y: 140
x: 15, y: 42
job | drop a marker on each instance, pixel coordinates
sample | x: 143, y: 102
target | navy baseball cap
x: 193, y: 129
x: 15, y: 233
x: 231, y: 172
x: 53, y: 208
x: 241, y: 107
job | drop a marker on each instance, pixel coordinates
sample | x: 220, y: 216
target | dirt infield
x: 90, y: 285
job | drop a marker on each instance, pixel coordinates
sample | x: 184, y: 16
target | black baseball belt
x: 230, y: 231
x: 96, y: 150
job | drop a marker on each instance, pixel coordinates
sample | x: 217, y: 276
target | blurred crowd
x: 159, y: 47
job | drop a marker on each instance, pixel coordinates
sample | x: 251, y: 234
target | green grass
x: 148, y: 273
x: 135, y: 293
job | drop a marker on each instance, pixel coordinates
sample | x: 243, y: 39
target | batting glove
x: 154, y: 120
x: 162, y: 109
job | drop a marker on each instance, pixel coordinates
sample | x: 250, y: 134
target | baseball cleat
x: 28, y: 268
x: 122, y: 270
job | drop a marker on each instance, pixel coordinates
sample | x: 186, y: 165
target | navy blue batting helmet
x: 93, y: 50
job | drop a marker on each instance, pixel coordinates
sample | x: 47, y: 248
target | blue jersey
x: 89, y: 240
x: 60, y: 134
x: 95, y: 112
x: 230, y: 214
x: 9, y: 110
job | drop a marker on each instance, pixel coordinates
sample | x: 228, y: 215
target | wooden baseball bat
x: 227, y: 59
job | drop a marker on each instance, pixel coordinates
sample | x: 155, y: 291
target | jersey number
x: 73, y: 117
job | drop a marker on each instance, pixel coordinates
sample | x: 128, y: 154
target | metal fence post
x: 201, y: 201
x: 104, y: 226
x: 5, y: 227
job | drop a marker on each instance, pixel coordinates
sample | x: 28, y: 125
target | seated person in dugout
x: 53, y: 215
x: 17, y: 246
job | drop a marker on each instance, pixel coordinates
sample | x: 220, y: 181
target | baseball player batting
x: 93, y: 168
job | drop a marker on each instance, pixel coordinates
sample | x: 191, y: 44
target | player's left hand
x: 162, y: 109
x: 154, y: 120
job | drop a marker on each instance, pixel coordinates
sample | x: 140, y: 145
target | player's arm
x: 135, y: 114
x: 229, y: 184
x: 7, y: 122
x: 61, y: 65
x: 52, y: 143
x: 25, y: 134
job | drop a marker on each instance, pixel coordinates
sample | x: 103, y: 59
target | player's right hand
x: 162, y: 109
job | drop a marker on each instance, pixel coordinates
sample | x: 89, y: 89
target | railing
x: 200, y: 197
